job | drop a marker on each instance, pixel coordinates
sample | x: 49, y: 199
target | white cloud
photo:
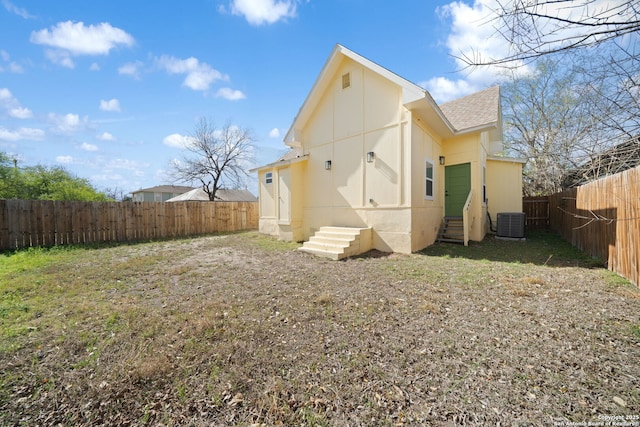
x: 472, y: 34
x: 5, y: 95
x: 16, y: 10
x: 110, y: 105
x: 126, y: 164
x: 258, y: 12
x: 72, y: 39
x: 131, y: 69
x: 67, y: 123
x: 60, y: 57
x: 106, y: 136
x: 275, y: 133
x: 12, y: 66
x: 64, y: 159
x: 20, y: 113
x: 88, y: 147
x: 199, y: 75
x: 177, y: 141
x: 230, y: 94
x: 94, y: 67
x: 13, y: 107
x: 20, y: 134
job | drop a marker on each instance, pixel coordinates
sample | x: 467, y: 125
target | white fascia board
x: 507, y: 159
x: 487, y: 126
x: 427, y: 108
x: 281, y: 163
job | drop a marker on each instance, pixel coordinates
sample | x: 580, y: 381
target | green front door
x: 457, y: 184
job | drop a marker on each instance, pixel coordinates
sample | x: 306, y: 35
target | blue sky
x: 110, y: 89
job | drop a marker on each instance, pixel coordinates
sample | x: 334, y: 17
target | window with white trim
x: 428, y: 179
x: 268, y: 178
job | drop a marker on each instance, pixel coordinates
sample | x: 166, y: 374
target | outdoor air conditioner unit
x: 511, y: 224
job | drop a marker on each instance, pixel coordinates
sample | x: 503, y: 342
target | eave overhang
x: 281, y: 163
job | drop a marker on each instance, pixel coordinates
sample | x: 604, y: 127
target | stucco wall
x: 345, y: 125
x: 504, y: 187
x: 284, y: 220
x: 266, y: 194
x: 426, y: 214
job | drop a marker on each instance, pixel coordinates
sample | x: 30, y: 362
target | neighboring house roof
x: 164, y: 189
x: 614, y: 160
x: 451, y: 118
x: 198, y: 194
x: 474, y: 111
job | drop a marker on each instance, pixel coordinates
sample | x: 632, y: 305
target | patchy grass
x: 242, y: 329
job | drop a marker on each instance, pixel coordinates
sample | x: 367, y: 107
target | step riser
x: 324, y: 246
x: 321, y: 253
x: 343, y: 230
x: 452, y: 231
x: 343, y: 243
x: 340, y: 236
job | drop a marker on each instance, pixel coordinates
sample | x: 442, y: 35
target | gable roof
x: 473, y: 111
x: 483, y: 109
x: 164, y: 189
x: 222, y: 195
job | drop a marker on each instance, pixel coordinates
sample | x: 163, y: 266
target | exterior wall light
x: 327, y: 165
x: 441, y: 160
x: 370, y: 156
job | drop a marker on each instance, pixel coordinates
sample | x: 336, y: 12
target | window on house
x: 346, y: 80
x: 428, y: 173
x: 268, y: 178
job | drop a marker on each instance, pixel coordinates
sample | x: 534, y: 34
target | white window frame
x: 268, y: 178
x: 429, y: 164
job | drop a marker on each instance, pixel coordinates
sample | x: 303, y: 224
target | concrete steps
x: 338, y: 242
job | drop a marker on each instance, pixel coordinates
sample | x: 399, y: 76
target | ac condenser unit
x: 511, y: 224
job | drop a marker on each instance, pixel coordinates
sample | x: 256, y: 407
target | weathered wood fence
x: 602, y: 218
x: 25, y: 223
x: 536, y: 211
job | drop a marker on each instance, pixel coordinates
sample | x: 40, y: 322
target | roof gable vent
x: 346, y: 80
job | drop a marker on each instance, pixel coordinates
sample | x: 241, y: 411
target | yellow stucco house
x: 374, y: 156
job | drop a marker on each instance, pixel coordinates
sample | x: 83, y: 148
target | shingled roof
x: 178, y: 189
x: 475, y: 110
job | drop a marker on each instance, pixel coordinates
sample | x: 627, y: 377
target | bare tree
x: 117, y: 194
x: 543, y: 124
x: 536, y: 28
x: 549, y: 121
x: 216, y: 159
x: 598, y: 41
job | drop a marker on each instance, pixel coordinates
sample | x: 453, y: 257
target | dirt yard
x: 244, y: 330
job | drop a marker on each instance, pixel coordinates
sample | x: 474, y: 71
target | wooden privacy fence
x: 25, y: 223
x: 536, y: 211
x: 603, y: 219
